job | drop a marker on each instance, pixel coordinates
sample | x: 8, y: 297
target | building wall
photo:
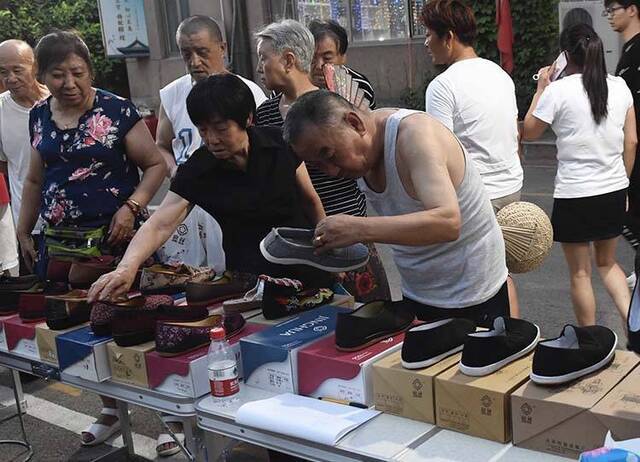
x: 392, y: 69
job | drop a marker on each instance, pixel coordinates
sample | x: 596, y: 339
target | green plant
x: 31, y: 20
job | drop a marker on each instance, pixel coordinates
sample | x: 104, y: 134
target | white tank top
x: 174, y: 102
x: 458, y: 274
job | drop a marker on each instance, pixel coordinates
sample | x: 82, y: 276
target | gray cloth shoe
x: 293, y: 246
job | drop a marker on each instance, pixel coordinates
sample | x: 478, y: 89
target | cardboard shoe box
x: 83, y: 354
x: 557, y: 419
x: 128, y: 364
x: 324, y: 371
x: 21, y: 338
x: 270, y: 357
x: 3, y: 335
x: 46, y: 342
x: 186, y: 374
x: 405, y: 392
x: 480, y: 406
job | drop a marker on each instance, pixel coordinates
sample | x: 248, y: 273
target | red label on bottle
x: 223, y: 379
x: 222, y: 388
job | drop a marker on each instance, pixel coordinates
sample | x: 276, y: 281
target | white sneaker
x: 631, y: 280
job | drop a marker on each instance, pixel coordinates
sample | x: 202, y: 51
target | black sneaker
x: 633, y: 321
x: 486, y: 352
x: 372, y: 322
x: 578, y: 351
x: 427, y: 344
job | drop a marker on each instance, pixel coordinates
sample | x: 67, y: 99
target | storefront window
x: 365, y: 20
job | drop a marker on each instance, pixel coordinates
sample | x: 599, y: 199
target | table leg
x: 218, y: 447
x: 125, y: 427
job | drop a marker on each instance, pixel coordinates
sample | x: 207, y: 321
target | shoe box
x: 21, y: 337
x: 270, y: 357
x: 324, y: 371
x: 567, y: 420
x: 129, y: 364
x: 187, y: 374
x: 83, y: 354
x: 406, y: 392
x: 480, y: 406
x: 46, y: 341
x: 3, y: 336
x: 344, y: 301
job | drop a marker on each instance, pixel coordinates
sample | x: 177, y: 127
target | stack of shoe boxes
x: 570, y: 419
x: 46, y: 342
x: 325, y: 372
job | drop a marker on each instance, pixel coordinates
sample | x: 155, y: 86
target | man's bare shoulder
x: 421, y: 133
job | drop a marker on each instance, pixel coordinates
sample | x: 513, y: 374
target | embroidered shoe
x: 174, y: 338
x: 486, y: 352
x: 577, y: 352
x: 67, y: 310
x: 231, y: 284
x: 171, y: 279
x: 294, y: 246
x: 279, y: 306
x: 429, y: 343
x: 372, y: 322
x: 253, y: 299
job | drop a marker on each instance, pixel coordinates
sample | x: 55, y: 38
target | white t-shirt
x: 15, y: 148
x: 174, y: 102
x: 590, y: 159
x: 476, y: 100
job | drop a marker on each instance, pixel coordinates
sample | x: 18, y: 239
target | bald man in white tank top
x: 433, y: 208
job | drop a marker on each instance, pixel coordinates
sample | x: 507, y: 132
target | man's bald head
x: 18, y: 69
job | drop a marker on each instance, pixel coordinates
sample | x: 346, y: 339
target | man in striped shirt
x: 331, y: 48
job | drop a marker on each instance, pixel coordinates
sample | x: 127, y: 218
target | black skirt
x: 587, y: 219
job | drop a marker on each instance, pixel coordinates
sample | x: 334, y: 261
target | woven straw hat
x: 528, y: 235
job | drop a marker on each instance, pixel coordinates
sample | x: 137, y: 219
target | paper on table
x: 301, y: 417
x: 632, y: 445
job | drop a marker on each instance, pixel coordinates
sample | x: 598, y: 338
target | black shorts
x: 483, y: 314
x: 588, y: 219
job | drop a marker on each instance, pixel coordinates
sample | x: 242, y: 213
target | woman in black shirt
x: 244, y: 176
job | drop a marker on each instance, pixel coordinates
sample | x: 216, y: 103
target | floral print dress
x: 87, y: 174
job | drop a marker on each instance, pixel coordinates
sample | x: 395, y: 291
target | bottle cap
x: 217, y: 333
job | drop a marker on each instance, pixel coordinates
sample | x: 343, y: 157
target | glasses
x: 612, y: 10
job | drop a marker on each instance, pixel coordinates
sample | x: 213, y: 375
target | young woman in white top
x: 592, y: 115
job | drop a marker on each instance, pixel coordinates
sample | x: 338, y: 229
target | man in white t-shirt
x: 198, y: 240
x: 476, y: 100
x: 18, y: 76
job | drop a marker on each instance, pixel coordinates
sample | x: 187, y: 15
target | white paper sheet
x: 632, y: 446
x: 301, y: 417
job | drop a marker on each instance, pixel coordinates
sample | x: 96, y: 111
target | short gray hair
x: 293, y: 36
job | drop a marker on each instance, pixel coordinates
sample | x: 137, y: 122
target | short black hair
x: 331, y: 29
x: 625, y: 3
x: 221, y: 95
x: 55, y: 47
x: 194, y: 24
x: 319, y: 107
x: 443, y: 16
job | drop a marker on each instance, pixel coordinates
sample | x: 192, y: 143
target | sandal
x: 101, y: 432
x: 166, y: 438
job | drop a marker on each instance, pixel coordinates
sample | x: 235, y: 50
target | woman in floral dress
x: 87, y: 145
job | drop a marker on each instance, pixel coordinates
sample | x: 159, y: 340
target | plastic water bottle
x: 223, y: 369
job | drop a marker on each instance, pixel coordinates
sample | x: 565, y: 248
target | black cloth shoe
x: 369, y: 324
x: 429, y: 343
x: 577, y: 352
x: 633, y: 319
x: 486, y: 352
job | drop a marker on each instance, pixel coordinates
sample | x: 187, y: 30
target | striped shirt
x: 338, y: 195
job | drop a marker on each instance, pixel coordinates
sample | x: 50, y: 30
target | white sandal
x: 165, y: 438
x: 101, y: 432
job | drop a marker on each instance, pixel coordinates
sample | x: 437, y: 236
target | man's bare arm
x: 164, y: 137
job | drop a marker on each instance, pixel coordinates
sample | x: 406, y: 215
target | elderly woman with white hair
x: 285, y: 52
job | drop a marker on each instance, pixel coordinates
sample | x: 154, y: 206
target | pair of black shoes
x: 483, y: 352
x: 578, y: 351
